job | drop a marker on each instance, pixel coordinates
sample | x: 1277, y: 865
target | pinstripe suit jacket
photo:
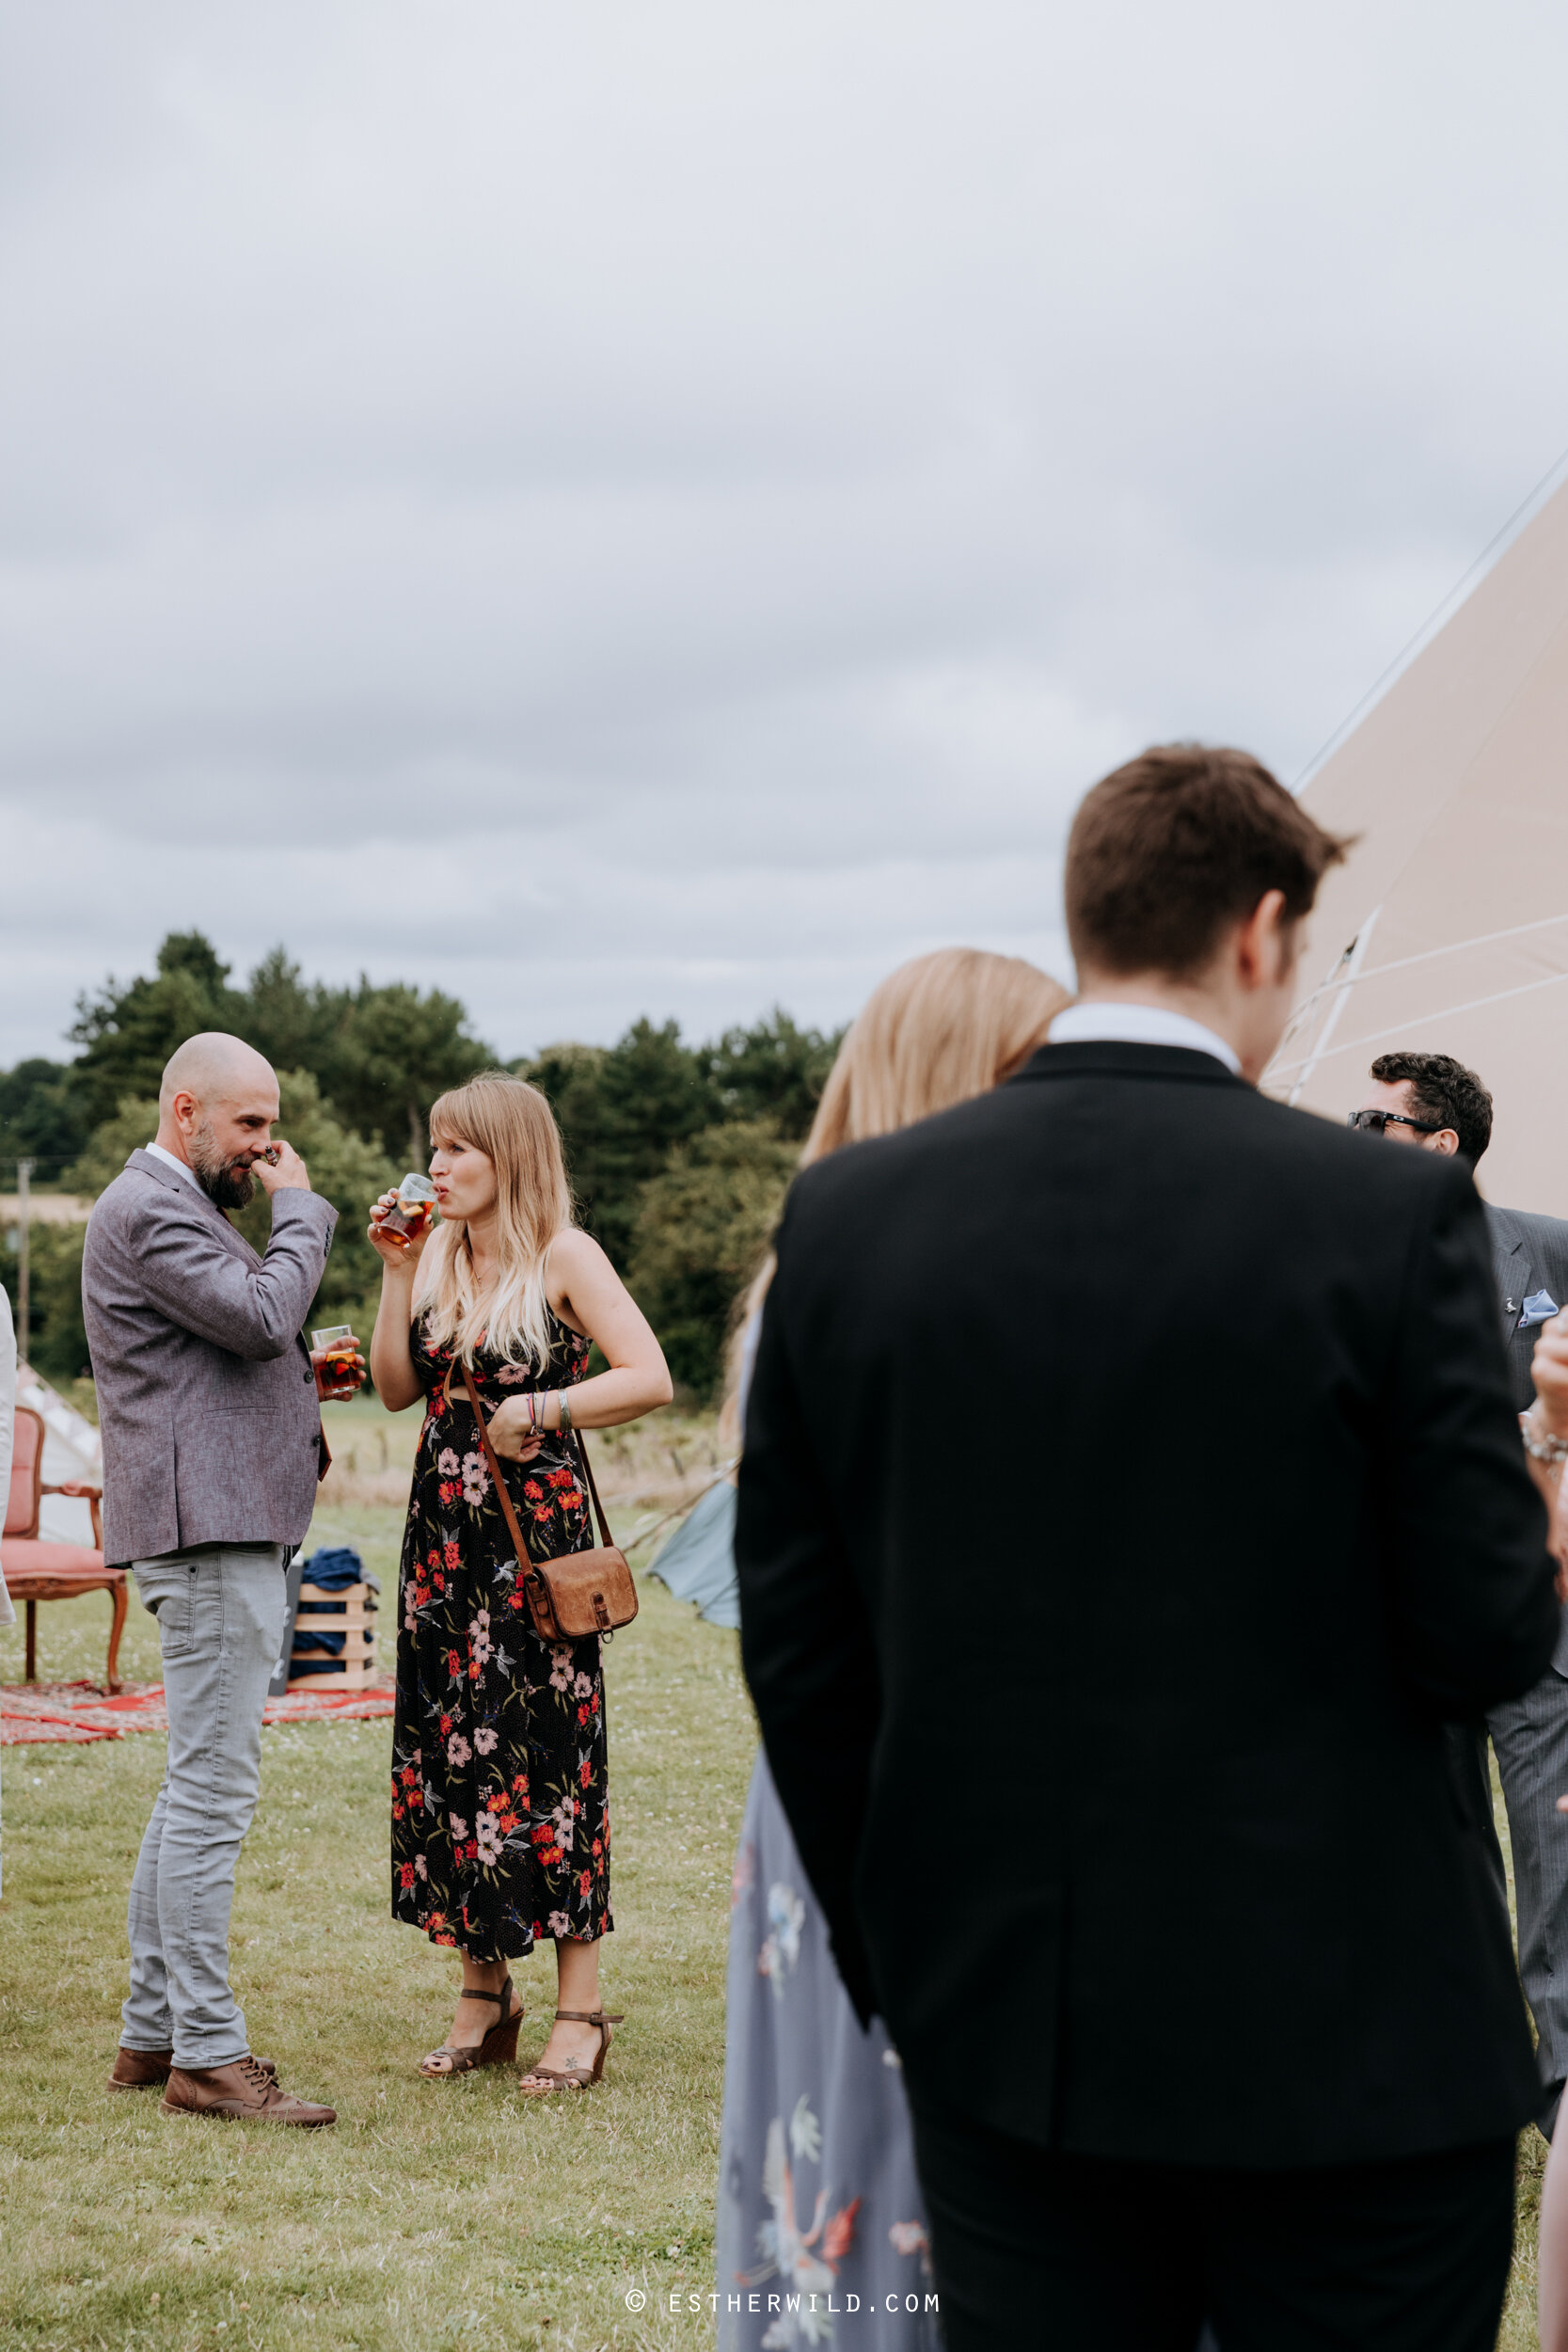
x: 1529, y: 1254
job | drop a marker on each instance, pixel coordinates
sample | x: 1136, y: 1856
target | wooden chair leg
x: 122, y: 1601
x: 30, y: 1672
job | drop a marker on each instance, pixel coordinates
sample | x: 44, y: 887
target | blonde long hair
x: 937, y: 1031
x: 513, y: 1125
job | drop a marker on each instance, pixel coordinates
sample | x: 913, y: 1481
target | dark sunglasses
x: 1378, y: 1120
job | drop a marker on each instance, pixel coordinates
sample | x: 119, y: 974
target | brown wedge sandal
x: 498, y: 2047
x: 537, y: 2082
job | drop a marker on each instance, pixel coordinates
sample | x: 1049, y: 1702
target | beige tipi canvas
x: 1447, y: 930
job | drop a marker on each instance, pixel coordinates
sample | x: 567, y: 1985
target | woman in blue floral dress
x: 820, y: 2208
x: 501, y: 1811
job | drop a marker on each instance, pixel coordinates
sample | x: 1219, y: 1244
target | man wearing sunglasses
x: 1432, y: 1102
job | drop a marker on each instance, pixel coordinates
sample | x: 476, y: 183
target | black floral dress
x: 500, y: 1813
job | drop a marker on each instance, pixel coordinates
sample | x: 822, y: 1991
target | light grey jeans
x: 220, y: 1626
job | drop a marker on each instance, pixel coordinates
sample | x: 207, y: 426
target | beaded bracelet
x: 1542, y: 1448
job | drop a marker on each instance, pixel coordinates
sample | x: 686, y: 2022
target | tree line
x: 678, y: 1154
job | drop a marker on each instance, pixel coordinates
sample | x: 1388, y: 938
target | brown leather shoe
x: 140, y: 2070
x: 244, y: 2091
x: 144, y: 2070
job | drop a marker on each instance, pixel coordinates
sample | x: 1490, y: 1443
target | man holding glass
x: 208, y: 1405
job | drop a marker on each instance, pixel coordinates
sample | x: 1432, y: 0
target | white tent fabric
x: 72, y: 1454
x: 1446, y: 929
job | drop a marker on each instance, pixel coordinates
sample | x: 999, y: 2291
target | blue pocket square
x: 1540, y: 1307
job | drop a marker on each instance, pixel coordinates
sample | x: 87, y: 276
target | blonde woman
x: 817, y: 2190
x: 500, y: 1817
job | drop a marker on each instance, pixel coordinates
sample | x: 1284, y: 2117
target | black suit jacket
x: 1130, y: 1486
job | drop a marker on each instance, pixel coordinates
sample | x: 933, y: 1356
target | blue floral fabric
x: 821, y: 2232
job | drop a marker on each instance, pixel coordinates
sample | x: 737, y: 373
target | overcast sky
x: 663, y: 509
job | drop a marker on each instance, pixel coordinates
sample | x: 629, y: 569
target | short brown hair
x: 1168, y: 852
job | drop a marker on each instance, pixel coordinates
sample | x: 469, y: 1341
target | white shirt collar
x: 169, y: 1161
x: 1139, y: 1025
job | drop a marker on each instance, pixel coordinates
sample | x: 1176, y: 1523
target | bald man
x: 208, y: 1400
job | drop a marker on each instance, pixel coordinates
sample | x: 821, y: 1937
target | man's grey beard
x: 229, y: 1187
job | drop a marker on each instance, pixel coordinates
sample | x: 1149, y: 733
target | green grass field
x: 441, y: 2217
x: 435, y: 2217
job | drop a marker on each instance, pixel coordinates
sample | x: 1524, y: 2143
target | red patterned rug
x: 31, y: 1712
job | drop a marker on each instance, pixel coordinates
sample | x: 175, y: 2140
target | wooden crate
x: 345, y: 1612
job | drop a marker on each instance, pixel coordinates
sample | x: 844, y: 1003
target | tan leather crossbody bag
x: 578, y: 1593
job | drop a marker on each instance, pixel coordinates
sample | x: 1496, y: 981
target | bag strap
x: 503, y: 1498
x: 524, y: 1563
x: 604, y: 1536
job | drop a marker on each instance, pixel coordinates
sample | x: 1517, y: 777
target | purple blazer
x: 206, y: 1397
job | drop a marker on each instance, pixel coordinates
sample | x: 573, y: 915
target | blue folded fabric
x: 306, y: 1638
x: 333, y: 1567
x: 1540, y: 1307
x: 698, y: 1562
x: 316, y: 1648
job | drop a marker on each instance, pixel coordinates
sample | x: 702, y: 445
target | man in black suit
x: 1102, y: 1640
x: 1432, y: 1102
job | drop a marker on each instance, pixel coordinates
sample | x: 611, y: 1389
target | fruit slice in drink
x: 340, y: 1347
x: 411, y: 1212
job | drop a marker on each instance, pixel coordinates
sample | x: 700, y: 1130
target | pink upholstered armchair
x: 37, y: 1569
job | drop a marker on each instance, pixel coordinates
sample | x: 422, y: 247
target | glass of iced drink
x: 413, y: 1209
x: 338, y: 1344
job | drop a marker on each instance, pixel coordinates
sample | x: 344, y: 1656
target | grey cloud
x: 666, y: 511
